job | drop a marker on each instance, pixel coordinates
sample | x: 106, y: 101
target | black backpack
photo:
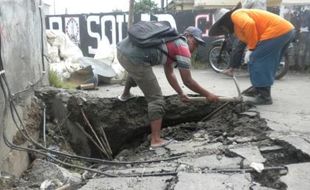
x: 151, y: 34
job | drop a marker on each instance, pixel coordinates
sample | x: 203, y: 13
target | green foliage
x: 145, y: 6
x: 55, y: 81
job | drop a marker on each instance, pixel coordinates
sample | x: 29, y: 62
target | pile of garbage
x: 67, y: 61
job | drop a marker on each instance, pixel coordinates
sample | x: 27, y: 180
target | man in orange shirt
x: 239, y: 47
x: 267, y: 36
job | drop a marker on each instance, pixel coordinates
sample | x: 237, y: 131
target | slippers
x: 124, y: 99
x: 165, y: 143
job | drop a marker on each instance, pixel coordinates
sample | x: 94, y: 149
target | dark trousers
x: 237, y: 54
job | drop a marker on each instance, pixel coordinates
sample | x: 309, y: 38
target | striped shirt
x: 179, y: 53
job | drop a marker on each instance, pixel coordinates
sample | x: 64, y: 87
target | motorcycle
x: 221, y: 49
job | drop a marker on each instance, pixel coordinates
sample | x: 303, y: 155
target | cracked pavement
x: 288, y: 117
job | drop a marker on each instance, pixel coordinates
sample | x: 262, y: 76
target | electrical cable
x: 38, y: 145
x: 15, y: 147
x: 19, y: 148
x: 9, y: 102
x: 6, y: 141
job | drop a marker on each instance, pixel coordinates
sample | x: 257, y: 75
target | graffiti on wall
x: 72, y: 29
x: 88, y: 30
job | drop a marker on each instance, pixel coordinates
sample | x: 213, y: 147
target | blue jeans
x: 266, y: 58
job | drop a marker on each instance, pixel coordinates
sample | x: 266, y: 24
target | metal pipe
x: 44, y: 126
x: 237, y: 85
x: 221, y: 99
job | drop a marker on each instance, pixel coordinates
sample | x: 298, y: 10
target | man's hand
x: 212, y: 98
x: 247, y: 56
x: 184, y: 98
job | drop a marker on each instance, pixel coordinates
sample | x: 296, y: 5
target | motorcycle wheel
x: 283, y: 68
x: 218, y: 62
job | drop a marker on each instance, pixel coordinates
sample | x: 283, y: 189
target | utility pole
x: 162, y: 5
x: 130, y: 22
x: 131, y: 13
x: 54, y: 5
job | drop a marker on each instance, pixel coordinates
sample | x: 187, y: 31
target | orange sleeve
x: 247, y: 29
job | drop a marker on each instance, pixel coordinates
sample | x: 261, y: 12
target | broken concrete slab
x: 270, y: 148
x: 296, y: 139
x: 212, y: 162
x: 192, y: 147
x: 298, y: 176
x: 194, y: 181
x: 285, y: 121
x: 146, y: 168
x: 149, y: 183
x: 194, y: 138
x: 251, y: 153
x: 42, y: 170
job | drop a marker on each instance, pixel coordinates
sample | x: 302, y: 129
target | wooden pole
x: 131, y: 13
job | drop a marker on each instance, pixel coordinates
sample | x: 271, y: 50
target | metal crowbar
x: 223, y: 98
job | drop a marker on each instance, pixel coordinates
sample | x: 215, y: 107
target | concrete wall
x: 20, y: 30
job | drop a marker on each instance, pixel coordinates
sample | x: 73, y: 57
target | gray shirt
x: 139, y: 55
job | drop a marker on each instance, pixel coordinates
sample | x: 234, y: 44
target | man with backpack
x: 138, y: 62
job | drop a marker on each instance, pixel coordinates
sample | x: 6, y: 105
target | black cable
x: 19, y: 148
x: 25, y: 134
x: 38, y: 145
x: 1, y: 63
x: 15, y: 147
x: 9, y: 100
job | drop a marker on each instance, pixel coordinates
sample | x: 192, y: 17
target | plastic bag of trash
x: 107, y: 54
x: 68, y: 51
x: 105, y: 51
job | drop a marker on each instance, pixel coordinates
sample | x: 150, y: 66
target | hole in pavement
x: 127, y: 131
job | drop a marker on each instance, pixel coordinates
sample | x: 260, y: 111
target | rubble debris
x: 193, y: 181
x: 249, y: 152
x: 212, y: 151
x: 150, y: 183
x: 50, y: 174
